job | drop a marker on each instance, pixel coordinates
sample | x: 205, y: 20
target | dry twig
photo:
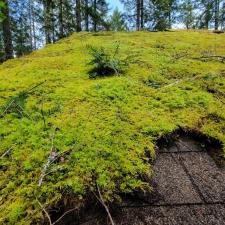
x: 101, y: 200
x: 45, y: 211
x: 5, y: 153
x: 64, y: 214
x: 51, y: 158
x: 215, y: 57
x: 7, y: 108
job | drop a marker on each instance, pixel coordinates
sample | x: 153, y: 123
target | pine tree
x: 163, y: 13
x: 61, y: 20
x: 94, y: 15
x: 142, y: 13
x: 138, y: 15
x: 47, y: 20
x: 78, y: 16
x: 158, y: 14
x: 187, y: 13
x: 172, y: 5
x: 135, y: 13
x: 222, y: 16
x: 21, y: 27
x: 98, y: 14
x: 6, y: 31
x: 206, y: 15
x: 53, y: 21
x: 117, y: 22
x: 86, y: 14
x: 2, y: 50
x: 2, y: 5
x: 70, y: 18
x: 217, y: 13
x: 32, y: 18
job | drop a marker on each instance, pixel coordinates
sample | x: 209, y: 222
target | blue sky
x: 115, y: 3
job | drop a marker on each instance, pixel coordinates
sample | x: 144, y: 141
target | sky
x: 115, y: 3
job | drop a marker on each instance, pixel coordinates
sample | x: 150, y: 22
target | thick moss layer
x: 102, y: 129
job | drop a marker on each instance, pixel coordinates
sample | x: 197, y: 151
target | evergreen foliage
x: 2, y: 5
x: 188, y: 14
x: 29, y: 24
x: 106, y: 64
x: 117, y: 22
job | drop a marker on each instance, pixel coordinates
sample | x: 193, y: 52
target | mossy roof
x: 107, y: 127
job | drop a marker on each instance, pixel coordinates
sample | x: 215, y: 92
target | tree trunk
x: 142, y: 14
x: 30, y: 21
x: 33, y: 26
x: 78, y: 16
x: 69, y: 18
x: 217, y: 10
x: 138, y: 14
x: 7, y: 35
x: 61, y: 28
x: 207, y: 18
x: 47, y: 21
x: 170, y: 20
x: 95, y: 16
x: 208, y: 14
x: 170, y: 11
x: 86, y: 15
x: 170, y: 16
x: 52, y: 22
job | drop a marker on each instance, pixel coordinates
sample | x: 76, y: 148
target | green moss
x: 108, y: 124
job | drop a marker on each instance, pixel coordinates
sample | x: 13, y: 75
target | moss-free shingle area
x: 100, y: 132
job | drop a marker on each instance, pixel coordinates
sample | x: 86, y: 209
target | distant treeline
x: 28, y: 24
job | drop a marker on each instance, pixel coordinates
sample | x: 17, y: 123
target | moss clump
x: 104, y: 128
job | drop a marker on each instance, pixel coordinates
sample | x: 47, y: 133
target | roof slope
x: 99, y: 131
